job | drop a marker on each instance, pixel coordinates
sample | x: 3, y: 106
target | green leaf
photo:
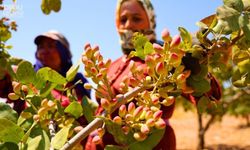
x: 10, y: 132
x: 33, y: 144
x: 47, y: 89
x: 9, y: 146
x: 44, y: 143
x: 60, y: 138
x: 7, y: 112
x: 88, y: 108
x: 186, y: 37
x: 71, y: 73
x: 200, y: 86
x: 150, y: 142
x: 45, y: 7
x: 51, y: 75
x: 55, y: 5
x: 5, y: 34
x: 148, y: 48
x: 75, y: 109
x: 25, y: 72
x: 27, y: 134
x: 235, y: 4
x: 202, y: 104
x: 139, y: 41
x: 115, y: 147
x: 244, y: 66
x: 230, y: 17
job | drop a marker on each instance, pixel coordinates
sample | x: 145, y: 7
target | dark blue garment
x: 66, y: 64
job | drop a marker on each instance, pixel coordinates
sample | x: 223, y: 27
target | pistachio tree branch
x: 97, y: 122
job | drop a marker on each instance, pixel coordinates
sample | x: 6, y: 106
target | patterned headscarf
x: 126, y: 35
x: 148, y: 7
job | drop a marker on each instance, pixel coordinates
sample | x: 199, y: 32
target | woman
x: 53, y: 50
x: 135, y: 16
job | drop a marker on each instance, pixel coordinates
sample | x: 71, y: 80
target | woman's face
x: 132, y: 16
x: 48, y: 54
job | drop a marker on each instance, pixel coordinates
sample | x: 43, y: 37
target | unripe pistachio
x: 155, y: 100
x: 25, y: 89
x: 101, y: 65
x: 181, y: 78
x: 175, y: 41
x: 125, y: 129
x: 154, y: 108
x: 105, y: 103
x: 148, y: 79
x: 17, y: 88
x: 150, y: 71
x: 160, y: 124
x: 138, y: 111
x: 129, y: 118
x: 101, y: 132
x: 88, y: 53
x: 157, y: 115
x: 78, y: 129
x: 99, y: 76
x: 140, y: 136
x: 149, y: 114
x: 13, y: 96
x: 165, y: 34
x: 158, y: 48
x: 187, y: 73
x: 146, y: 95
x: 131, y: 108
x: 97, y: 140
x: 36, y: 118
x: 160, y: 69
x: 42, y: 111
x: 150, y: 122
x: 85, y: 60
x: 51, y: 104
x: 103, y: 71
x: 87, y: 86
x: 14, y: 83
x: 113, y: 102
x: 107, y: 63
x: 93, y: 70
x: 117, y: 120
x: 145, y: 129
x: 168, y: 101
x: 122, y: 111
x: 158, y: 58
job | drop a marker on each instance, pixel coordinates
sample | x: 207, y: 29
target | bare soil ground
x: 229, y: 134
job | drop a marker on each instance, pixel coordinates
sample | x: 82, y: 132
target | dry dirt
x: 229, y: 134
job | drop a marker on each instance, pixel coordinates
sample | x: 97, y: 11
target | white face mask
x: 126, y: 37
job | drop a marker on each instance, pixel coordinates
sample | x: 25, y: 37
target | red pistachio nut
x: 140, y: 136
x: 117, y: 120
x: 160, y: 69
x: 175, y: 41
x: 165, y: 34
x: 145, y: 129
x: 131, y: 108
x: 158, y: 48
x: 150, y: 122
x: 160, y: 124
x: 122, y: 111
x: 157, y: 115
x: 138, y: 111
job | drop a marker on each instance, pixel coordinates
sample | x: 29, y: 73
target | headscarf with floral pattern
x: 126, y: 35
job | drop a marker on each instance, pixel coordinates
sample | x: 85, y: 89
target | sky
x: 93, y: 21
